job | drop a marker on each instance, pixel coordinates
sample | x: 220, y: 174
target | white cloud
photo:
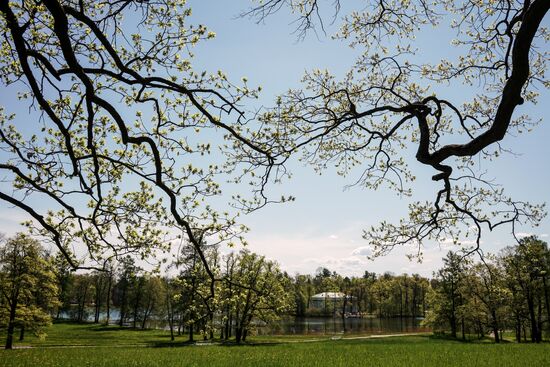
x: 449, y: 243
x: 358, y: 263
x: 333, y: 237
x: 446, y: 242
x: 348, y: 265
x: 304, y: 253
x: 11, y: 219
x: 362, y: 251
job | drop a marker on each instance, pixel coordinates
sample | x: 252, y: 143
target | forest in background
x: 504, y: 292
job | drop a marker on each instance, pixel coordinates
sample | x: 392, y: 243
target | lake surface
x: 307, y: 325
x: 330, y: 326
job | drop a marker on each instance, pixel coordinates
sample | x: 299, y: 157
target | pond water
x: 329, y: 326
x: 306, y: 325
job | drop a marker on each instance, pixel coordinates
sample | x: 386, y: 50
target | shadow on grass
x: 91, y: 326
x: 216, y: 342
x: 117, y: 328
x: 170, y: 344
x: 470, y: 339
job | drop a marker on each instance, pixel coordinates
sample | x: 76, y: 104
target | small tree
x: 82, y: 294
x: 197, y: 294
x: 526, y: 268
x: 258, y: 292
x: 446, y: 297
x: 27, y: 284
x: 65, y: 279
x: 486, y: 296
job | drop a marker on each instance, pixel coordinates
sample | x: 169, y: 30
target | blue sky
x: 323, y: 226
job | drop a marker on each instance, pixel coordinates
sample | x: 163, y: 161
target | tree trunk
x: 539, y: 321
x: 144, y: 319
x: 532, y: 318
x: 123, y: 303
x: 452, y: 319
x: 518, y: 328
x: 171, y: 323
x: 344, y: 304
x: 245, y: 328
x: 400, y: 302
x: 108, y: 300
x: 191, y: 332
x: 228, y: 324
x: 238, y: 334
x: 170, y: 314
x: 211, y: 325
x: 463, y: 327
x: 11, y: 325
x: 423, y: 302
x: 82, y: 305
x: 407, y: 307
x: 495, y: 326
x: 547, y: 303
x: 136, y: 307
x: 225, y: 332
x: 414, y: 301
x: 97, y: 306
x: 22, y: 333
x: 480, y: 328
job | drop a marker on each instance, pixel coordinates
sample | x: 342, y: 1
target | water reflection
x: 295, y: 325
x: 328, y: 326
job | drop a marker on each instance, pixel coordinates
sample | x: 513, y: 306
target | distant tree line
x: 37, y: 287
x: 504, y: 293
x: 28, y: 287
x: 385, y: 295
x: 249, y: 289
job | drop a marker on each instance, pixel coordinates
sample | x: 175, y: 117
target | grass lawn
x: 115, y: 347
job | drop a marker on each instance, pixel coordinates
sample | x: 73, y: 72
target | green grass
x: 69, y: 334
x: 63, y: 334
x: 114, y: 347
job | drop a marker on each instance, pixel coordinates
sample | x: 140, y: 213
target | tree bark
x: 97, y: 302
x: 123, y: 303
x: 452, y: 316
x: 463, y: 329
x: 136, y: 304
x: 238, y: 333
x: 495, y: 326
x: 22, y: 333
x: 191, y: 331
x: 546, y: 302
x: 108, y: 300
x: 532, y: 317
x: 11, y: 325
x: 518, y: 328
x: 146, y: 315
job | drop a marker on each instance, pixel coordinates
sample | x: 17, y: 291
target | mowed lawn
x: 152, y: 348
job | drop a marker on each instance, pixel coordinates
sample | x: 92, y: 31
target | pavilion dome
x: 328, y: 295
